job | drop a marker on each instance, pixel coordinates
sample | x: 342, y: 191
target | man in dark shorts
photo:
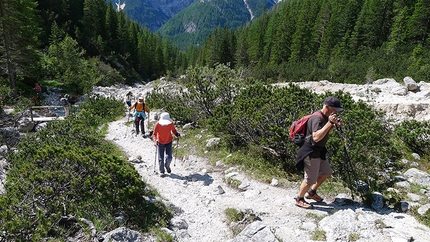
x: 313, y: 152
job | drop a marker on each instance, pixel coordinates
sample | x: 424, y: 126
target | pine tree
x: 94, y: 28
x: 19, y: 33
x: 419, y: 23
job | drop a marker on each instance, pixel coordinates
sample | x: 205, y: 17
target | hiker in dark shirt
x: 128, y: 99
x: 66, y: 104
x: 313, y: 152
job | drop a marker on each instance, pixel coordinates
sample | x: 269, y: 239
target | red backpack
x: 298, y: 129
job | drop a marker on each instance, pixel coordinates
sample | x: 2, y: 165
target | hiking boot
x: 168, y: 169
x: 300, y: 202
x: 162, y: 174
x: 314, y: 196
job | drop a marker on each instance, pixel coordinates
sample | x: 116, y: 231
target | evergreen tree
x: 419, y: 23
x: 242, y: 56
x: 301, y: 46
x: 94, y: 28
x: 143, y: 55
x: 111, y: 26
x: 398, y: 36
x: 285, y: 25
x: 19, y: 34
x: 373, y: 24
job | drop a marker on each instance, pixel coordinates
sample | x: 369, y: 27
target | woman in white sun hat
x: 163, y: 138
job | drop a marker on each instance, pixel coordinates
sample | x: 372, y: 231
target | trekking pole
x: 349, y: 167
x: 155, y: 161
x: 176, y: 151
x: 147, y: 125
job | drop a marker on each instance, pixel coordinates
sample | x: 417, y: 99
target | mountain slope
x: 152, y: 13
x: 193, y: 24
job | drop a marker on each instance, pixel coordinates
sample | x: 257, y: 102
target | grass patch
x: 331, y: 188
x: 238, y: 220
x: 319, y: 235
x: 52, y: 83
x: 233, y: 182
x: 353, y: 237
x: 315, y: 216
x: 233, y: 215
x: 162, y: 235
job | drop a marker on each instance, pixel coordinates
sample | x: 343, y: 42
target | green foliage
x: 319, y: 235
x: 65, y: 63
x: 257, y: 117
x: 234, y: 215
x: 69, y: 169
x: 207, y: 17
x: 415, y: 135
x: 367, y: 149
x: 19, y: 34
x: 340, y: 41
x: 204, y: 89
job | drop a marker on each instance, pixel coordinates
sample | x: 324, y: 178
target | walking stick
x: 349, y: 167
x: 176, y: 152
x: 128, y: 119
x: 147, y: 125
x: 155, y: 161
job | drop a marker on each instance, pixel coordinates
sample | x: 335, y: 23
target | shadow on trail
x: 335, y: 206
x: 207, y: 180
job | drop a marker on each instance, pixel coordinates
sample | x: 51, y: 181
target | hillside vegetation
x: 68, y: 172
x: 68, y: 169
x: 341, y: 41
x: 192, y: 25
x: 253, y: 121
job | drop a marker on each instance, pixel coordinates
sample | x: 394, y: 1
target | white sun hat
x: 165, y: 119
x: 140, y: 99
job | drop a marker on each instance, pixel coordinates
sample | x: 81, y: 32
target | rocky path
x: 194, y: 191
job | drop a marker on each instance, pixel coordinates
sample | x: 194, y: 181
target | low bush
x: 416, y: 135
x: 257, y: 115
x: 69, y: 170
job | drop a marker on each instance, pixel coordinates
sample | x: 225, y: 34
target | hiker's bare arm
x: 319, y: 134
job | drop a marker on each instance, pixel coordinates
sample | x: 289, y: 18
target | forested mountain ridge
x: 192, y: 25
x: 151, y: 13
x: 189, y: 22
x: 341, y: 41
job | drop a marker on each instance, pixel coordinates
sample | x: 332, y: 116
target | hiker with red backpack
x: 140, y: 110
x: 163, y: 133
x: 311, y: 156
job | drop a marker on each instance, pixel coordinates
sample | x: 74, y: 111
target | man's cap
x: 334, y: 103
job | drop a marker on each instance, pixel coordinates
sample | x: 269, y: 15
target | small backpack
x: 298, y: 129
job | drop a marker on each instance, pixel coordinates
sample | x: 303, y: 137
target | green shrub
x: 258, y: 116
x: 416, y: 135
x: 69, y: 169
